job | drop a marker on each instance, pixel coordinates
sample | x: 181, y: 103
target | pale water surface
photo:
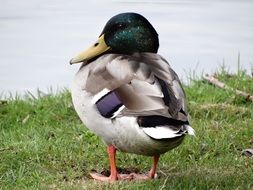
x: 39, y: 37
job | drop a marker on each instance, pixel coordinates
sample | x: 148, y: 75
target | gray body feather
x: 146, y: 86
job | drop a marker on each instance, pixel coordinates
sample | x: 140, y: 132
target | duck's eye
x: 121, y: 26
x: 118, y: 26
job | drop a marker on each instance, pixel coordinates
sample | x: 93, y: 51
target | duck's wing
x: 140, y: 85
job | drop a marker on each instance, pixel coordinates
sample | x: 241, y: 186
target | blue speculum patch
x: 108, y: 104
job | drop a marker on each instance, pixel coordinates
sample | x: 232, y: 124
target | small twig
x: 164, y: 183
x: 24, y: 121
x: 217, y: 83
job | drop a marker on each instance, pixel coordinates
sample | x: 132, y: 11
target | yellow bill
x: 98, y: 48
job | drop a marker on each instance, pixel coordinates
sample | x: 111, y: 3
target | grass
x: 43, y: 144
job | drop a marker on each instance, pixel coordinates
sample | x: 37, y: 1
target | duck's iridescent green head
x: 125, y: 33
x: 129, y: 33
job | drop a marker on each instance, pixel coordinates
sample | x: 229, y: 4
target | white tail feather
x: 190, y: 130
x: 165, y: 132
x: 161, y: 132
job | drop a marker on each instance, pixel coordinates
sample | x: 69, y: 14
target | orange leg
x: 154, y: 166
x: 151, y: 174
x: 112, y: 158
x: 114, y: 176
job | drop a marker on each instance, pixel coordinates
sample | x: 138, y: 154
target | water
x: 39, y: 37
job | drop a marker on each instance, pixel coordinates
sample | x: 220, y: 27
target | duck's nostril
x: 96, y: 44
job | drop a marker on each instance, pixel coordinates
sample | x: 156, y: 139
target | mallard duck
x: 128, y: 95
